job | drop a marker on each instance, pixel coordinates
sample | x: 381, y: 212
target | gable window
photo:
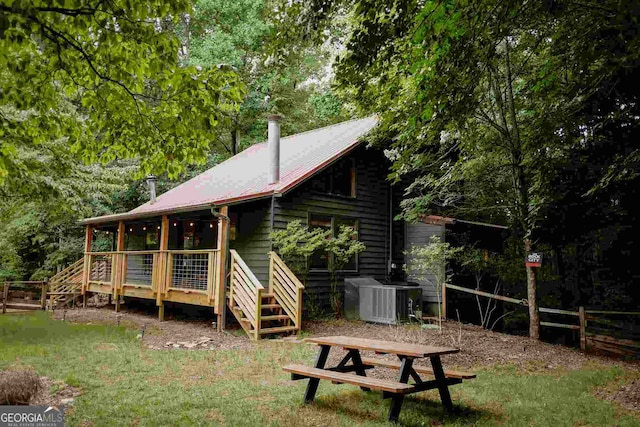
x: 321, y: 259
x: 339, y: 179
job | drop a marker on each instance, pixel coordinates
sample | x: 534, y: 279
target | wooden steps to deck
x: 272, y: 319
x: 260, y: 311
x: 65, y: 287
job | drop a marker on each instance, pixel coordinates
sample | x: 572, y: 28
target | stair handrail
x: 69, y: 273
x: 66, y: 282
x: 246, y: 291
x: 286, y: 288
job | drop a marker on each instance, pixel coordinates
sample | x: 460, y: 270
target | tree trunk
x: 234, y: 141
x: 534, y: 314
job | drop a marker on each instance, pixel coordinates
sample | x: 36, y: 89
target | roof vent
x: 151, y: 182
x: 274, y: 148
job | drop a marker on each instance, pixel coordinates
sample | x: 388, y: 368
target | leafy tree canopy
x: 103, y: 78
x: 482, y: 103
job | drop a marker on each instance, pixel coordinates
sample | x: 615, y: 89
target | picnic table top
x: 383, y: 347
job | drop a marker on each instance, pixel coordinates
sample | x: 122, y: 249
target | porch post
x: 161, y: 284
x: 223, y: 249
x: 87, y: 265
x: 117, y: 264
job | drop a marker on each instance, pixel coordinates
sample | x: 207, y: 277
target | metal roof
x: 245, y: 176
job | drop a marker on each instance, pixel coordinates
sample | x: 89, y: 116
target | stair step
x: 270, y: 306
x: 275, y: 317
x: 277, y: 330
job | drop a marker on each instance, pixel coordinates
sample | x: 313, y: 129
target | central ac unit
x: 367, y: 299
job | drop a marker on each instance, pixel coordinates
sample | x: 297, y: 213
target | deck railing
x: 286, y: 288
x: 101, y: 267
x: 137, y: 268
x: 245, y: 291
x: 159, y: 271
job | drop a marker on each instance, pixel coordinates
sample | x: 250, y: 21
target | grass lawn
x: 125, y: 383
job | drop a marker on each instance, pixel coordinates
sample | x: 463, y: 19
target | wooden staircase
x: 66, y: 286
x: 272, y: 321
x: 263, y: 312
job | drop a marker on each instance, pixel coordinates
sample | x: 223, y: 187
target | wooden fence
x: 24, y: 286
x: 599, y: 329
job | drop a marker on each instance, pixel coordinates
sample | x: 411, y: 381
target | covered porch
x: 179, y: 257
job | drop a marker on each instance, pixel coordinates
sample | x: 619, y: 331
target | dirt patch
x: 627, y: 396
x: 478, y: 347
x: 170, y: 334
x: 55, y: 393
x: 482, y: 348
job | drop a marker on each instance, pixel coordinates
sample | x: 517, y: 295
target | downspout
x: 271, y: 220
x: 390, y: 263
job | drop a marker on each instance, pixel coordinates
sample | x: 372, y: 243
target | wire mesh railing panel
x: 139, y: 269
x: 101, y: 266
x: 189, y: 271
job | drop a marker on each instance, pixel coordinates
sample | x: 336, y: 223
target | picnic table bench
x: 394, y: 390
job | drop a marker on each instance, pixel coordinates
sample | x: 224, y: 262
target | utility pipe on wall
x: 273, y: 131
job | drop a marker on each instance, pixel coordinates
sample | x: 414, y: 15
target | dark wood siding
x: 252, y: 236
x: 370, y: 207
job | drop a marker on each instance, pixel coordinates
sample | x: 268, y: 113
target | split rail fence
x: 599, y: 329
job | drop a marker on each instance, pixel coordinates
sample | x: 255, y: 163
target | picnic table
x: 394, y: 390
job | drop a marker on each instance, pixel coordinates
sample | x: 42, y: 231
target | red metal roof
x: 245, y: 175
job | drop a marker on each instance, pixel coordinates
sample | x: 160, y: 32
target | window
x: 320, y: 260
x: 339, y: 179
x: 142, y: 236
x: 192, y: 234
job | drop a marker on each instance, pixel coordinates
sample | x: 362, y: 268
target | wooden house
x: 206, y: 242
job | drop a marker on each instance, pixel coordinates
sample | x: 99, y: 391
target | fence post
x: 43, y: 294
x: 5, y: 296
x: 444, y: 300
x: 583, y: 327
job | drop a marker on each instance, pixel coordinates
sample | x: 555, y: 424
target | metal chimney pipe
x: 273, y: 131
x: 151, y: 182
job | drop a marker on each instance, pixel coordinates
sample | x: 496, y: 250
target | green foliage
x: 104, y: 79
x: 341, y: 248
x: 243, y: 33
x: 295, y: 244
x: 483, y: 104
x: 429, y: 261
x: 39, y: 231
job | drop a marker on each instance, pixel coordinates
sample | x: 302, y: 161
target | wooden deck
x: 197, y: 277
